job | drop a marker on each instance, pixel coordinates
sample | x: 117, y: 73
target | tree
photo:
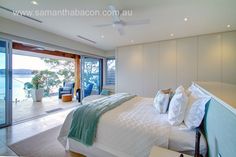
x: 44, y: 79
x: 65, y: 69
x: 51, y: 80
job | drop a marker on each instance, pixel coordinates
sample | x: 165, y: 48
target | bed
x: 91, y: 98
x: 131, y: 130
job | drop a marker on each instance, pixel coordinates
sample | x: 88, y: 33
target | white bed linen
x: 91, y: 98
x: 131, y: 130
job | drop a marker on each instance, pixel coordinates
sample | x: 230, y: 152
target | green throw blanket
x: 86, y: 117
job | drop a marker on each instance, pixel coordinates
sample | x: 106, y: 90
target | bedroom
x: 185, y: 46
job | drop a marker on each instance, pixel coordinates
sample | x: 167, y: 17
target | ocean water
x: 18, y: 91
x: 18, y: 86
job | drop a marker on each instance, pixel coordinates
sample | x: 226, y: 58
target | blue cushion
x: 67, y: 88
x: 105, y: 92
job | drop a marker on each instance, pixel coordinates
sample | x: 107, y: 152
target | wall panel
x: 209, y: 58
x: 145, y: 68
x: 167, y: 65
x: 186, y: 61
x: 229, y: 57
x: 130, y: 66
x: 150, y: 69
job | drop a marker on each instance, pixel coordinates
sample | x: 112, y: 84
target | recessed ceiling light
x: 131, y: 41
x: 102, y: 36
x: 34, y: 2
x: 172, y: 34
x: 228, y: 26
x: 185, y: 19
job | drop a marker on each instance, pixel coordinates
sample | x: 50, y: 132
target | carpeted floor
x: 42, y: 145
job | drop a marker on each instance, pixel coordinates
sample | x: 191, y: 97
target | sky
x: 27, y: 62
x: 23, y: 62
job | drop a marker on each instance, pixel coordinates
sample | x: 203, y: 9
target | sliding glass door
x: 91, y: 73
x: 5, y: 83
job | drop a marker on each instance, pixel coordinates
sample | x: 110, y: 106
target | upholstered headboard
x: 220, y: 126
x: 220, y: 130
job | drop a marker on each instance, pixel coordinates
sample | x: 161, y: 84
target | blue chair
x: 68, y: 88
x: 87, y: 91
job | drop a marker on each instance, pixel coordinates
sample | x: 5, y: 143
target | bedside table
x: 162, y: 152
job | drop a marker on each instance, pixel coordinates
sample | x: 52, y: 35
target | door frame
x: 8, y: 87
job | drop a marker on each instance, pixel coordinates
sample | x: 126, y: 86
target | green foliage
x: 45, y: 79
x: 51, y: 80
x: 58, y: 72
x: 38, y: 81
x: 65, y: 68
x: 52, y: 62
x: 28, y: 86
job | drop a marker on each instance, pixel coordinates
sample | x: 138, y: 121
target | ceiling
x: 166, y: 18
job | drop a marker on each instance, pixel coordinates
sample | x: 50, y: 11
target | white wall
x: 143, y: 69
x: 20, y: 30
x: 110, y: 53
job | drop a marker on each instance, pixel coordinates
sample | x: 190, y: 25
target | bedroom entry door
x: 91, y: 73
x: 5, y: 83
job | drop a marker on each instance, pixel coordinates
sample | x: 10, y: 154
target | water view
x: 25, y: 68
x: 18, y: 82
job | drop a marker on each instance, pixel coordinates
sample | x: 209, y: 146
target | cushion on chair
x: 65, y: 92
x: 66, y: 88
x: 69, y: 84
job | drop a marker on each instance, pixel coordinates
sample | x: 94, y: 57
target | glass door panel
x: 5, y: 95
x: 91, y: 74
x: 2, y: 82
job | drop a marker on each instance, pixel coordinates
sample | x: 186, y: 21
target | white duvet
x: 133, y: 128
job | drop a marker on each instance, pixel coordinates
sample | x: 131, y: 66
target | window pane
x: 91, y: 73
x: 110, y: 71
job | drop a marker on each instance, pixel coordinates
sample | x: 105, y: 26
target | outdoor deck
x: 28, y: 109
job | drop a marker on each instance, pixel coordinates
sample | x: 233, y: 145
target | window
x: 110, y: 71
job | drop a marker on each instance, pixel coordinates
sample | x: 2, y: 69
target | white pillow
x: 161, y: 101
x: 194, y: 89
x: 179, y: 89
x: 196, y: 107
x: 177, y: 107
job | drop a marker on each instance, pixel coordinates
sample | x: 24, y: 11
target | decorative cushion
x: 66, y: 88
x: 161, y: 101
x: 167, y: 91
x: 177, y: 107
x: 196, y: 107
x: 105, y: 92
x: 69, y: 84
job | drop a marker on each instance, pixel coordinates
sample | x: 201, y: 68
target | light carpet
x: 42, y: 145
